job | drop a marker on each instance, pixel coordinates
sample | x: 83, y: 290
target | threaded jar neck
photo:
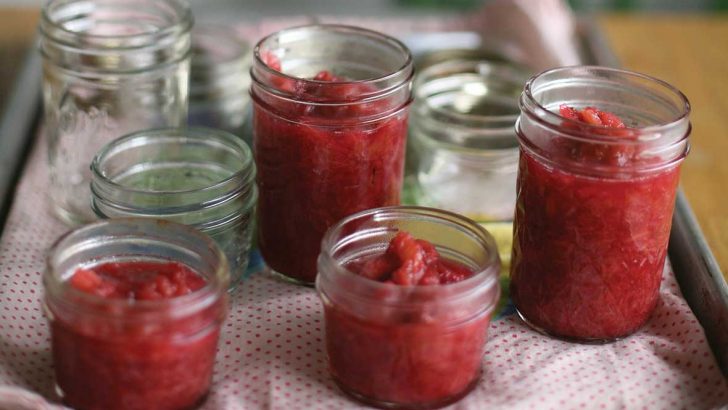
x: 115, y: 36
x: 197, y: 176
x: 656, y: 116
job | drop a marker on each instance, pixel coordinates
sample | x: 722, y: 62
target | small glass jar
x: 219, y: 79
x: 109, y: 68
x: 463, y: 143
x: 133, y: 354
x: 330, y: 107
x: 407, y: 346
x: 200, y: 177
x: 595, y: 203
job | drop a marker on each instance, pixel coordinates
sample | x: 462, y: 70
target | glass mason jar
x: 219, y: 79
x: 330, y: 107
x: 407, y: 346
x: 109, y: 68
x: 595, y: 203
x: 200, y: 177
x: 116, y: 353
x: 463, y: 140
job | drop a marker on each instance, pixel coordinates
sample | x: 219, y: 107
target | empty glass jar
x: 463, y: 145
x: 200, y: 177
x: 109, y: 68
x: 219, y: 79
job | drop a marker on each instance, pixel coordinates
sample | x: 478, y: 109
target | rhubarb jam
x: 593, y: 218
x: 402, y: 329
x: 134, y: 332
x: 329, y: 142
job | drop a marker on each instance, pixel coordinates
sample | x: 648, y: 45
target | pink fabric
x: 272, y: 354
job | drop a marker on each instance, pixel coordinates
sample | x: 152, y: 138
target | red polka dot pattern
x: 272, y: 354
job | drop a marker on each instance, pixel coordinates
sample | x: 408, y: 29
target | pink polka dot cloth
x: 271, y: 355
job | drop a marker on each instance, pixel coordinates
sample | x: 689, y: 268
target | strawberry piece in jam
x: 137, y: 280
x: 409, y: 261
x: 591, y: 116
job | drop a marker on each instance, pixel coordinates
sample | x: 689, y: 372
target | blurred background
x: 251, y: 9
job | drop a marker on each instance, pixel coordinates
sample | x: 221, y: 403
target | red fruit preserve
x: 596, y: 189
x: 405, y: 326
x: 329, y: 135
x: 133, y: 332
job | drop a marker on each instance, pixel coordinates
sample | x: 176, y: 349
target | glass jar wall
x: 330, y: 107
x: 219, y: 79
x: 595, y: 203
x: 463, y: 144
x: 200, y: 177
x: 109, y: 68
x: 132, y: 352
x: 407, y: 346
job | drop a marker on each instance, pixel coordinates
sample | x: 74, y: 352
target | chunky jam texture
x: 138, y: 280
x: 103, y: 361
x: 408, y: 356
x: 317, y: 164
x: 589, y: 251
x: 410, y: 261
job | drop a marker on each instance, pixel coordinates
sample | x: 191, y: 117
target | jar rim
x: 182, y: 22
x: 245, y: 174
x: 178, y: 306
x: 428, y: 74
x: 239, y: 49
x: 482, y: 280
x: 539, y: 113
x: 406, y: 65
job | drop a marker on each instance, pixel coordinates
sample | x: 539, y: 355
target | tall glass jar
x: 330, y: 108
x: 400, y: 346
x: 219, y: 79
x: 119, y: 353
x: 109, y: 68
x: 462, y: 137
x: 200, y: 177
x: 595, y: 203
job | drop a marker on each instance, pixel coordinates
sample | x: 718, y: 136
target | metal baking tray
x: 696, y: 270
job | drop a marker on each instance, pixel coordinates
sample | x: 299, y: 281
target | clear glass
x: 196, y: 176
x: 121, y: 354
x: 219, y: 79
x: 109, y: 68
x: 330, y: 107
x: 407, y: 346
x: 595, y: 204
x: 463, y: 141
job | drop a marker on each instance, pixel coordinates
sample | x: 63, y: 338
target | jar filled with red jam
x: 600, y: 158
x: 135, y: 308
x: 330, y: 107
x: 408, y: 295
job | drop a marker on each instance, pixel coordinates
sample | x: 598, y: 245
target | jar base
x: 285, y: 278
x: 60, y: 397
x: 68, y: 217
x: 410, y: 406
x: 570, y: 339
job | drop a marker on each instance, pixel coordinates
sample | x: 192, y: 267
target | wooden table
x: 690, y: 52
